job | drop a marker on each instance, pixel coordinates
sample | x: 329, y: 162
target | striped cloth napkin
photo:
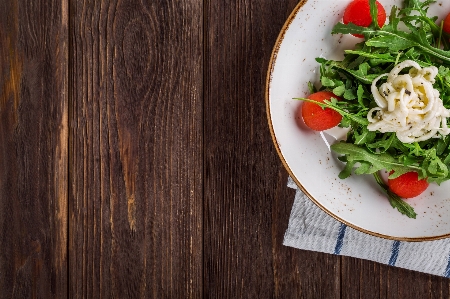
x: 310, y: 228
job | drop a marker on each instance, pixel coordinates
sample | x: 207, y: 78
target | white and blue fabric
x: 310, y: 228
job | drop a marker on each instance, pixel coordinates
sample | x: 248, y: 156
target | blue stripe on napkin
x: 340, y: 239
x: 394, y: 253
x: 447, y: 269
x: 310, y: 228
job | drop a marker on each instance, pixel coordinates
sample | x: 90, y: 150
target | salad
x: 393, y: 93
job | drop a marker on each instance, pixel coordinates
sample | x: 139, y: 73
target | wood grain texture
x: 247, y: 203
x: 299, y: 273
x: 136, y: 149
x: 33, y: 149
x: 136, y: 160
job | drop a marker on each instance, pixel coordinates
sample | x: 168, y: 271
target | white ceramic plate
x: 356, y: 201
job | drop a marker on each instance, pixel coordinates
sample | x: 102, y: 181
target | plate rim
x: 270, y: 69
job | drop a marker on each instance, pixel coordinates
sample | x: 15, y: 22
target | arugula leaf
x: 359, y: 94
x: 363, y: 68
x: 408, y: 160
x: 311, y: 88
x: 393, y: 39
x: 351, y: 28
x: 364, y: 79
x: 327, y: 81
x: 354, y: 63
x: 349, y: 94
x: 374, y: 13
x: 434, y: 165
x: 366, y: 136
x: 355, y: 153
x: 339, y: 90
x: 384, y: 143
x: 347, y: 171
x: 382, y: 56
x: 393, y: 42
x: 393, y: 19
x: 442, y: 145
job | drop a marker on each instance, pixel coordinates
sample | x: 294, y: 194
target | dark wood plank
x: 439, y: 287
x: 388, y: 281
x: 247, y: 203
x: 364, y: 279
x: 299, y: 273
x: 33, y: 149
x: 136, y: 149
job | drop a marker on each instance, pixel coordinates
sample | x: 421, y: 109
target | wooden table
x: 136, y: 160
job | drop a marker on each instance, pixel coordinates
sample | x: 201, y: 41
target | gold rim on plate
x: 272, y: 133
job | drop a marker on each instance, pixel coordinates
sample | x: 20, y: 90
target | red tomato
x: 446, y: 27
x: 358, y: 13
x: 315, y: 117
x: 408, y: 185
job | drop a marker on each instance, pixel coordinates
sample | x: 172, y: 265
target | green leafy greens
x: 367, y: 152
